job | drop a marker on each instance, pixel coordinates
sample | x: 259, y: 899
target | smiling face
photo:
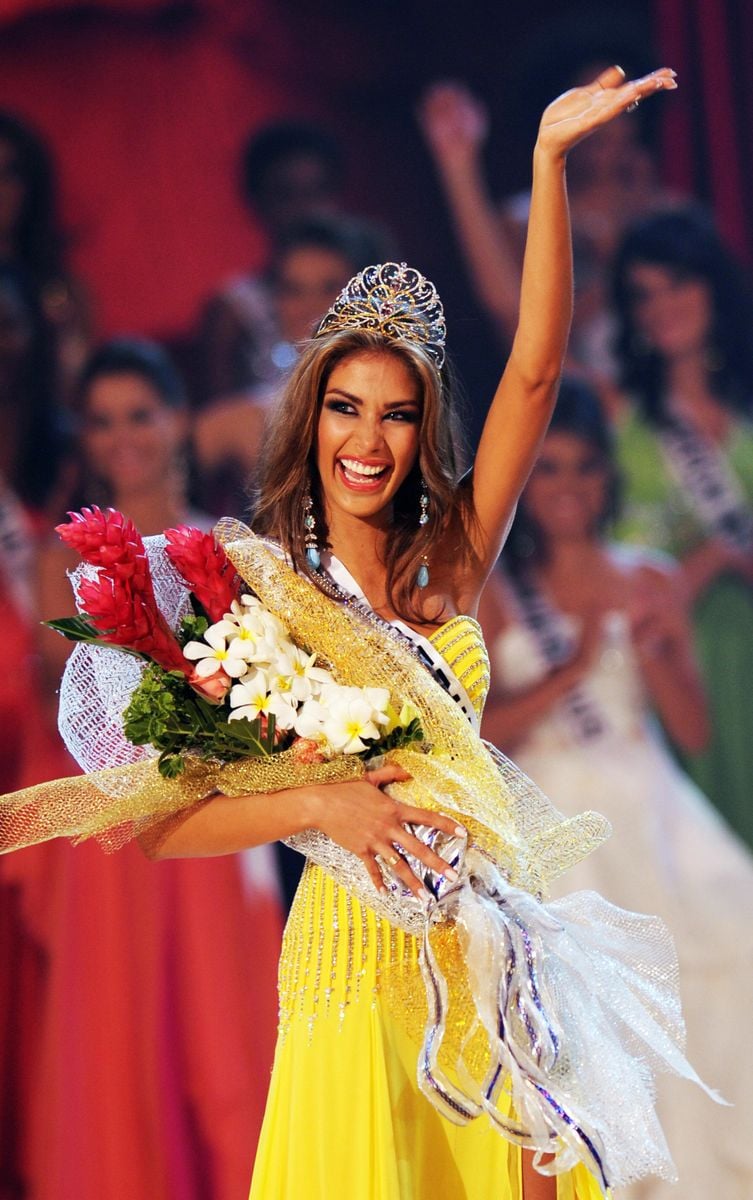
x: 367, y: 437
x: 566, y: 496
x: 130, y: 435
x: 671, y: 310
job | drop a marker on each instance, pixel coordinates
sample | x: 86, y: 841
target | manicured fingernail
x: 460, y: 831
x: 451, y: 874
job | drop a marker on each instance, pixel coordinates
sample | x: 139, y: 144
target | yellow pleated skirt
x: 345, y: 1119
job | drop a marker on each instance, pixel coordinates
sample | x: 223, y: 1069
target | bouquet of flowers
x: 229, y: 682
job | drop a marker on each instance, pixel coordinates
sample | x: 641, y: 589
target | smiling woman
x: 419, y: 915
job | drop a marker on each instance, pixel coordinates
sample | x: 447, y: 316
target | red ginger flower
x: 105, y: 539
x: 120, y: 602
x: 205, y: 567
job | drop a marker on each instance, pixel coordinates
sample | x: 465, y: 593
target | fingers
x: 424, y: 854
x: 408, y: 815
x: 397, y: 837
x: 611, y: 78
x: 401, y: 870
x: 375, y: 875
x: 390, y: 773
x: 630, y: 94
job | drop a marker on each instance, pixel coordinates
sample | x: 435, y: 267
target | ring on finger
x: 393, y: 860
x: 632, y: 106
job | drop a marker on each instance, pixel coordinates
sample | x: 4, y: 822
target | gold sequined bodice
x: 461, y: 644
x: 336, y: 951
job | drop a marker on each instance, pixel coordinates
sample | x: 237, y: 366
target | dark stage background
x: 146, y: 102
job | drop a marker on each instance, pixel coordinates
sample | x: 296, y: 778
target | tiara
x: 392, y: 299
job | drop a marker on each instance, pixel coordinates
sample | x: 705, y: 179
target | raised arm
x: 454, y: 124
x: 523, y: 402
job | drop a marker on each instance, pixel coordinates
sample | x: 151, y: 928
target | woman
x: 586, y: 640
x: 360, y: 495
x: 31, y: 248
x: 313, y: 260
x: 154, y: 1054
x: 377, y: 430
x: 291, y: 172
x: 686, y: 454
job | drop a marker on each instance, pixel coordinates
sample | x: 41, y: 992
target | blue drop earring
x: 422, y: 575
x: 313, y: 557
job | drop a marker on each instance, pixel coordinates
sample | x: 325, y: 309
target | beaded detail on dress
x: 461, y: 644
x: 336, y: 950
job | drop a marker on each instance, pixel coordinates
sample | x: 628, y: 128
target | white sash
x: 581, y: 708
x: 704, y: 474
x: 424, y: 648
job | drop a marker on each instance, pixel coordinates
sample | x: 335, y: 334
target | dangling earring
x: 422, y: 575
x: 313, y: 558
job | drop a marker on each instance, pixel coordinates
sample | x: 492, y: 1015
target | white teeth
x: 356, y: 468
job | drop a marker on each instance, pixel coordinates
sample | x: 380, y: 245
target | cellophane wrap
x: 582, y: 978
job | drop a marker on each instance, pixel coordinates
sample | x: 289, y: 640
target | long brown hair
x: 289, y: 472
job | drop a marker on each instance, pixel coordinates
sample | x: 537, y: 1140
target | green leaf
x: 79, y: 629
x: 170, y: 766
x: 76, y: 629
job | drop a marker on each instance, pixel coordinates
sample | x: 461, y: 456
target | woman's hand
x: 663, y: 643
x: 574, y: 670
x: 454, y: 123
x: 709, y: 561
x: 577, y: 113
x: 362, y: 818
x: 658, y: 622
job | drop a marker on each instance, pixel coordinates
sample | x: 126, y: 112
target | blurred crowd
x: 137, y: 1024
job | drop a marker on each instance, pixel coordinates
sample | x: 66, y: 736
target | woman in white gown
x: 588, y: 641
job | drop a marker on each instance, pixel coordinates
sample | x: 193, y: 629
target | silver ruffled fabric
x: 580, y: 1006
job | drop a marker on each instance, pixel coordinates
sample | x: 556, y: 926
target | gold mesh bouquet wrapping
x: 507, y: 816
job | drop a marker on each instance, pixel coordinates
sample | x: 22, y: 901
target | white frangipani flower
x: 295, y: 672
x: 213, y: 652
x: 251, y: 644
x: 310, y: 719
x: 351, y: 723
x: 272, y: 625
x: 251, y: 698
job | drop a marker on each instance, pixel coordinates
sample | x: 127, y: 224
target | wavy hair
x: 289, y: 473
x: 684, y: 242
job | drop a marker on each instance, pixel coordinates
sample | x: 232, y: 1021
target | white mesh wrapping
x: 98, y: 682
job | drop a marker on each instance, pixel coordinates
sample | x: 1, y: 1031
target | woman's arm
x: 522, y: 405
x: 358, y: 816
x: 708, y: 561
x: 454, y: 125
x: 663, y: 641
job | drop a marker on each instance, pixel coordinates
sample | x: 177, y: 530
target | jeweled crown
x: 392, y: 299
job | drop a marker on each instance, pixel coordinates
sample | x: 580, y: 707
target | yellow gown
x: 345, y: 1119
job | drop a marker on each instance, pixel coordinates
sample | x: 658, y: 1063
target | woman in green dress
x: 686, y: 454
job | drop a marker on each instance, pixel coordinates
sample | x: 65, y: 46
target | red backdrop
x: 146, y: 103
x: 145, y: 106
